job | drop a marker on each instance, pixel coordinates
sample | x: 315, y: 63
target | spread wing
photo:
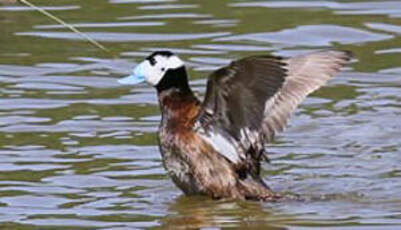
x: 250, y: 100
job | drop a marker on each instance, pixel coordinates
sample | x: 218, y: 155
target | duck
x: 215, y: 147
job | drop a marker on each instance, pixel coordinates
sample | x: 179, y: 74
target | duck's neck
x: 175, y: 79
x: 178, y: 103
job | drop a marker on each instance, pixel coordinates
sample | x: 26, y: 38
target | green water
x: 78, y: 151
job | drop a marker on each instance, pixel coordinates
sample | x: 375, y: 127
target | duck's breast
x: 179, y: 152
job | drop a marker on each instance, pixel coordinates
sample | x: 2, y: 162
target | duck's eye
x: 163, y: 69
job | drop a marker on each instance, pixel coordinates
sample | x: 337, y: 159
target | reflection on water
x: 26, y: 8
x: 390, y: 8
x: 198, y: 212
x: 122, y: 37
x: 316, y: 35
x: 79, y: 151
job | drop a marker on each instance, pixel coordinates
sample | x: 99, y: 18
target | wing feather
x: 306, y: 73
x: 250, y: 100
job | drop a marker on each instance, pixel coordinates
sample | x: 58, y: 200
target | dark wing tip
x: 347, y: 55
x: 340, y: 58
x: 344, y: 55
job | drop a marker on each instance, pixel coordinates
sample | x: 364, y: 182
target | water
x: 79, y: 151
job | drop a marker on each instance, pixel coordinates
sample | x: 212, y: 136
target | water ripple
x: 166, y: 16
x: 168, y: 6
x: 123, y: 37
x: 48, y: 8
x: 390, y: 8
x: 103, y: 25
x: 312, y: 35
x: 80, y: 151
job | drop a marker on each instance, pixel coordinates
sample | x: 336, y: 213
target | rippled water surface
x: 78, y: 151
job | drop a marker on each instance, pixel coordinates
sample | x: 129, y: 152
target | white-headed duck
x: 215, y: 147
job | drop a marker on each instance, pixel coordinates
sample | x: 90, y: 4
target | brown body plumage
x: 215, y: 147
x: 193, y: 164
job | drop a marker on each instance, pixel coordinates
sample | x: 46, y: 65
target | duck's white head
x: 153, y: 68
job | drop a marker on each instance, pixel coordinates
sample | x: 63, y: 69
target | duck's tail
x: 256, y: 190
